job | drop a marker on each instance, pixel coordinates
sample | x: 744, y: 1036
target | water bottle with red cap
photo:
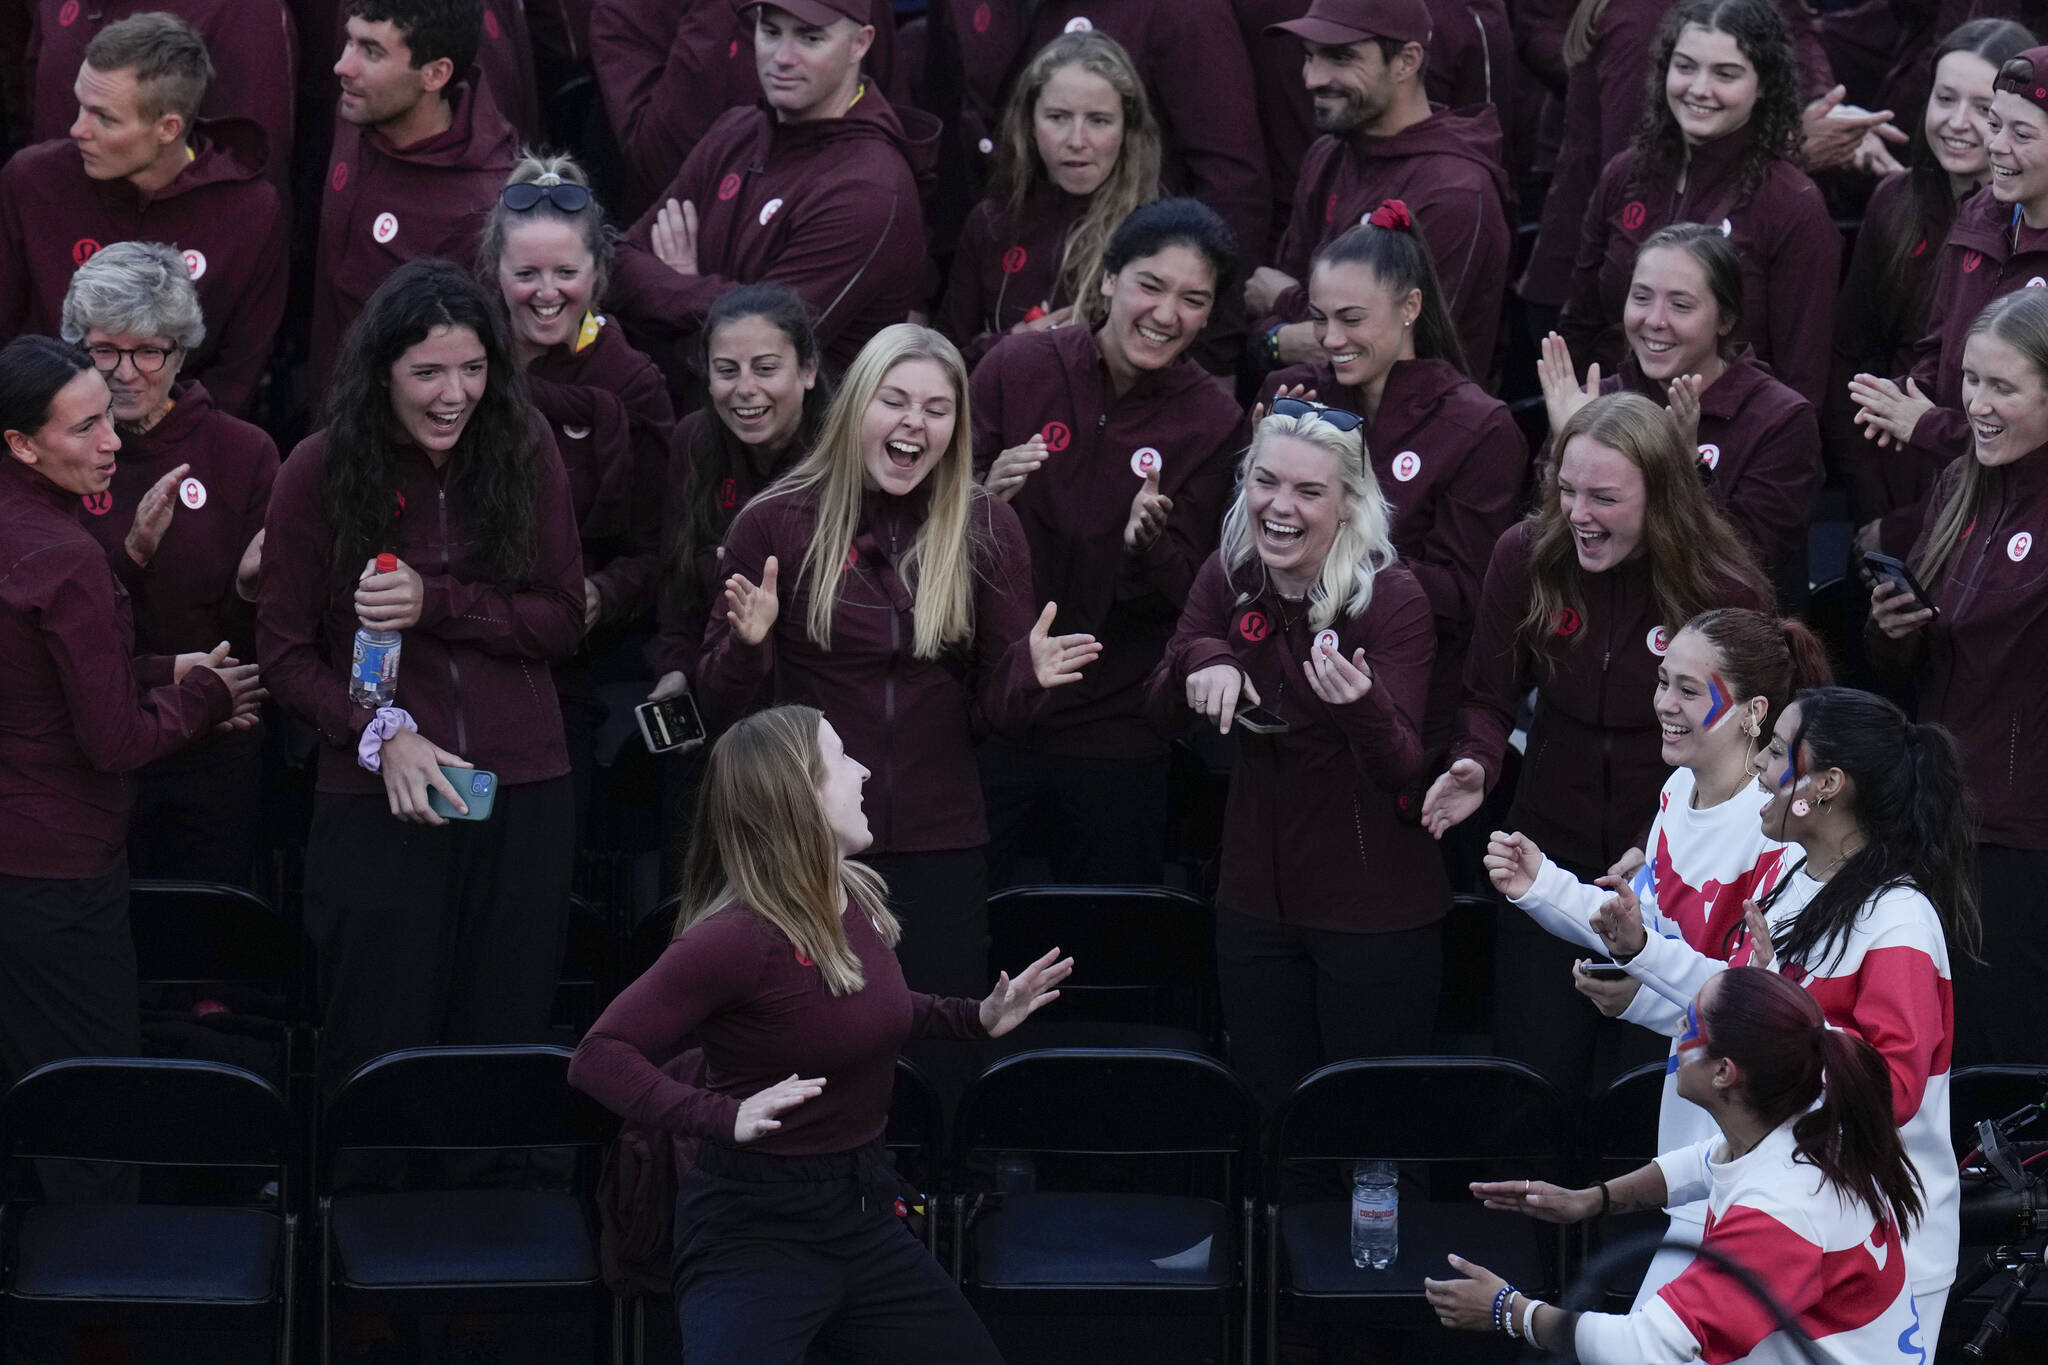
x: 373, y: 675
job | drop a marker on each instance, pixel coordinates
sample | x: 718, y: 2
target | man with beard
x: 1363, y: 63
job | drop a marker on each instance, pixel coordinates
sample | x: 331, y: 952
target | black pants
x: 198, y: 814
x: 1099, y: 822
x: 1295, y: 999
x: 2000, y: 1014
x: 437, y: 934
x: 782, y: 1260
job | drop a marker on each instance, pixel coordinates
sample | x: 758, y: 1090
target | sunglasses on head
x: 564, y: 196
x: 1322, y: 412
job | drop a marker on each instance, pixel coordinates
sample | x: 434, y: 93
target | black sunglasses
x: 523, y: 196
x: 1337, y: 417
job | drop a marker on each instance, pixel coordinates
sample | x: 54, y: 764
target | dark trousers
x: 783, y: 1260
x: 1099, y: 822
x: 437, y: 934
x: 2000, y: 1014
x: 198, y: 814
x: 1295, y: 999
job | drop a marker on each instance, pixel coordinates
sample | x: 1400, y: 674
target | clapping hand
x: 1017, y: 998
x: 757, y: 1116
x: 1454, y: 796
x: 1563, y: 395
x: 1015, y: 465
x: 1887, y: 414
x: 1149, y: 509
x: 1058, y: 659
x: 1619, y: 920
x: 752, y: 610
x: 153, y: 517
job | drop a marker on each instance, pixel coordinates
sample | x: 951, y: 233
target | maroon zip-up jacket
x: 80, y: 713
x: 185, y: 599
x: 1791, y: 257
x: 1761, y: 443
x: 1452, y: 464
x: 912, y: 721
x: 1055, y: 384
x: 1004, y: 266
x: 219, y: 210
x: 503, y: 64
x: 1313, y: 834
x: 1980, y: 661
x: 609, y: 408
x: 827, y: 207
x: 1594, y: 762
x: 1447, y: 169
x: 381, y: 206
x: 474, y: 671
x: 669, y: 68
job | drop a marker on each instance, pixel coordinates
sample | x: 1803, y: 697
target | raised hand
x: 1336, y: 679
x: 1215, y: 692
x: 753, y: 610
x: 1298, y: 391
x: 1454, y: 796
x: 757, y: 1116
x: 675, y: 236
x: 1619, y: 920
x: 1563, y: 395
x: 1057, y: 660
x: 1682, y: 401
x: 1015, y: 465
x: 1017, y: 998
x: 153, y: 517
x: 1148, y: 514
x: 1762, y: 951
x: 1512, y: 862
x: 1886, y: 413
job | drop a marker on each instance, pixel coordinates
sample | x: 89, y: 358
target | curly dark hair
x: 1759, y: 30
x: 493, y: 471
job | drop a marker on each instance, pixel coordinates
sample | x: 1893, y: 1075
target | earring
x: 1802, y: 808
x: 1751, y: 728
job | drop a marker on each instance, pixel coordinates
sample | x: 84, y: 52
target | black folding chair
x: 1621, y: 1136
x: 1472, y: 1116
x: 217, y: 959
x: 465, y: 1250
x: 1180, y: 1122
x: 219, y: 1265
x: 916, y: 1138
x: 1991, y: 1212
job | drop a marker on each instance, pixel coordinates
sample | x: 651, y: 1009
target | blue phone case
x: 479, y: 792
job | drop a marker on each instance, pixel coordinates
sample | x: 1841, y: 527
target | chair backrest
x: 587, y: 979
x: 152, y: 1111
x: 1990, y: 1092
x: 1148, y: 952
x: 1623, y: 1124
x: 1425, y: 1109
x: 210, y: 933
x: 916, y: 1131
x: 1136, y: 1101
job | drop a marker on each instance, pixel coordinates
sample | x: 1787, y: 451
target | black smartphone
x: 478, y: 788
x: 671, y: 723
x: 1891, y: 567
x: 1260, y: 721
x: 1601, y: 969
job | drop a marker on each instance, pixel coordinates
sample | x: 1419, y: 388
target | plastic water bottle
x: 373, y: 674
x: 1375, y: 1215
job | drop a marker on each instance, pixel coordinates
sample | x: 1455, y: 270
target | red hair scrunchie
x: 1391, y: 214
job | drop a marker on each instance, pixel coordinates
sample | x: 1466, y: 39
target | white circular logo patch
x: 575, y: 433
x: 1407, y: 465
x: 195, y: 263
x: 385, y: 228
x: 1327, y: 639
x: 1080, y: 23
x: 2037, y: 282
x: 1145, y: 462
x: 1659, y: 640
x: 987, y: 145
x: 1710, y: 455
x: 768, y: 210
x: 1727, y: 228
x: 192, y: 493
x: 2016, y: 548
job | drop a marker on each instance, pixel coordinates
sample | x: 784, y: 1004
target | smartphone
x: 1602, y: 969
x: 669, y: 724
x: 1260, y: 721
x: 479, y: 790
x: 1890, y: 567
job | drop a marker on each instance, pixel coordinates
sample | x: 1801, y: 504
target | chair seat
x: 1043, y: 1033
x: 462, y: 1237
x: 1315, y: 1245
x: 1105, y: 1241
x: 166, y: 1253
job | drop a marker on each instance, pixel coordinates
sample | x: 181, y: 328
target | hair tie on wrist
x: 1391, y: 214
x: 1606, y: 1199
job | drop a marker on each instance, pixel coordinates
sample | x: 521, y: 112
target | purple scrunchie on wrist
x: 388, y: 721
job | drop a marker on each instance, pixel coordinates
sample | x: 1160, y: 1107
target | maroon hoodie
x: 612, y: 421
x: 381, y: 206
x: 1760, y: 443
x: 828, y: 207
x: 185, y: 600
x: 219, y: 210
x: 1004, y: 266
x: 253, y: 44
x: 1593, y: 763
x: 912, y: 721
x: 474, y: 671
x: 974, y: 44
x: 504, y: 58
x: 1055, y: 384
x: 77, y: 716
x: 1791, y: 257
x: 1452, y: 464
x: 1447, y: 170
x: 1313, y: 835
x: 669, y: 68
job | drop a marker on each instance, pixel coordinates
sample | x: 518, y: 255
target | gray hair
x: 138, y: 289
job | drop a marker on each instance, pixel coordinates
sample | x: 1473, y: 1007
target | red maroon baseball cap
x: 819, y: 12
x: 2026, y: 76
x: 1354, y: 21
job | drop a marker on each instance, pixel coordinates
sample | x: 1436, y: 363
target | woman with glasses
x: 1327, y: 937
x: 547, y: 252
x: 182, y: 524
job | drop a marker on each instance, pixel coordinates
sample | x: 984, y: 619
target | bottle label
x: 376, y: 666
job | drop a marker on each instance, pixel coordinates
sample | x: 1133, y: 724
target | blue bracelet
x: 1500, y: 1299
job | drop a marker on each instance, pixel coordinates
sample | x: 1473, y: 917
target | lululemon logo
x: 83, y: 250
x: 397, y: 503
x: 1013, y: 260
x: 768, y: 210
x: 1659, y: 640
x: 192, y: 493
x: 1920, y: 247
x: 852, y: 559
x: 575, y: 433
x: 195, y: 262
x: 385, y: 228
x: 729, y: 186
x: 1407, y: 465
x: 1710, y: 455
x: 340, y: 176
x: 2036, y: 282
x: 2016, y: 548
x: 981, y: 18
x: 1327, y: 640
x: 1727, y: 228
x: 67, y: 14
x: 1971, y: 260
x: 732, y: 53
x: 728, y: 494
x: 99, y: 504
x: 1330, y: 209
x: 491, y: 23
x: 1080, y: 23
x: 1055, y: 435
x: 1254, y: 626
x: 1632, y: 214
x: 1568, y: 623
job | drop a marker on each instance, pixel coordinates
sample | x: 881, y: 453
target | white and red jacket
x: 1839, y: 1273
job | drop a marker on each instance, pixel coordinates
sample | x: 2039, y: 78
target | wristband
x: 1273, y: 343
x: 1606, y: 1201
x: 388, y: 721
x: 1529, y: 1307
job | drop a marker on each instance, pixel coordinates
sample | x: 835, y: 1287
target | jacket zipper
x: 889, y: 697
x: 1606, y: 731
x: 454, y: 673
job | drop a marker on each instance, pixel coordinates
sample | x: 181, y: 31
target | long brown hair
x: 1694, y: 553
x: 761, y: 840
x: 1765, y: 41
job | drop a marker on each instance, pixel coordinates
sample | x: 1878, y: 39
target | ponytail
x: 1946, y: 870
x: 1853, y: 1136
x: 1389, y: 244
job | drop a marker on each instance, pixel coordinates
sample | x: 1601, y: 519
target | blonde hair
x: 761, y: 839
x: 939, y: 569
x: 547, y: 169
x: 1364, y: 543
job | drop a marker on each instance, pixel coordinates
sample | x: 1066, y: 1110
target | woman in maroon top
x: 1078, y: 149
x: 1327, y: 912
x: 80, y: 714
x: 906, y: 618
x: 1115, y: 448
x: 1978, y: 658
x: 429, y: 930
x: 1581, y: 601
x: 1720, y: 147
x: 781, y: 966
x: 187, y: 501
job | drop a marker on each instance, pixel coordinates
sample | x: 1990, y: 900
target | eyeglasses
x: 566, y: 197
x: 146, y: 359
x: 1322, y: 412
